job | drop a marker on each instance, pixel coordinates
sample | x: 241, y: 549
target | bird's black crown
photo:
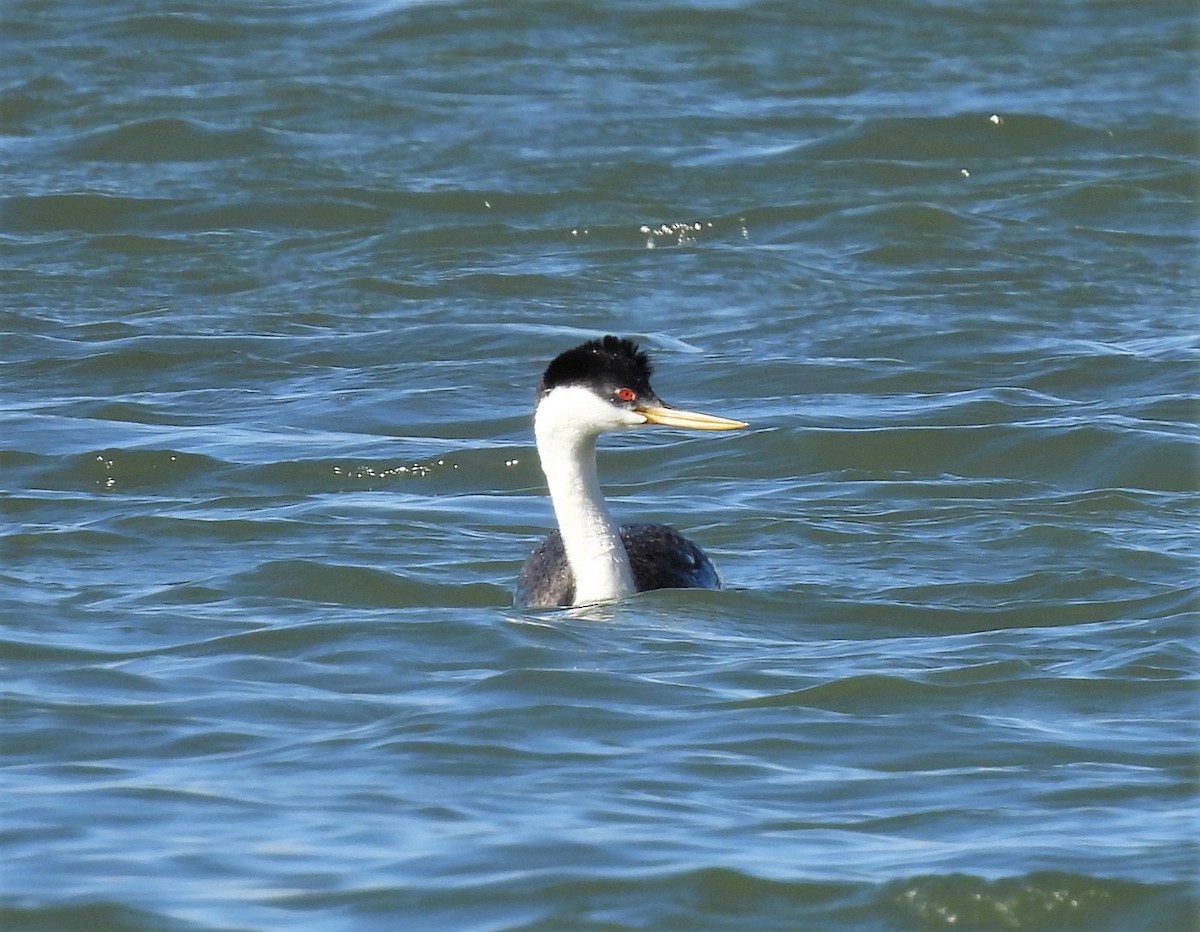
x: 603, y: 364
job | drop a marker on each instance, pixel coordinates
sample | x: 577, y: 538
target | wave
x: 957, y: 137
x: 172, y: 139
x: 88, y: 915
x: 712, y: 898
x: 357, y: 586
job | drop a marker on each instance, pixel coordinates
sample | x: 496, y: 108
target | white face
x: 571, y: 413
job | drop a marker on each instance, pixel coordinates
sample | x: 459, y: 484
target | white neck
x: 566, y: 425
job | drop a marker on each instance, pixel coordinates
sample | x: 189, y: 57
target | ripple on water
x: 280, y: 282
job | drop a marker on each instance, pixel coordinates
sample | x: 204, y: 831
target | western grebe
x: 597, y: 386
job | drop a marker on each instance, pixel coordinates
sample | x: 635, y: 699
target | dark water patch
x: 92, y: 916
x: 130, y: 470
x: 878, y: 696
x: 102, y: 679
x: 299, y: 640
x: 184, y: 594
x: 47, y: 333
x: 129, y: 216
x: 1068, y: 458
x: 180, y: 26
x: 975, y: 136
x: 658, y: 232
x: 1164, y: 177
x: 34, y: 651
x: 488, y: 283
x: 922, y: 222
x: 173, y: 139
x: 277, y: 214
x: 570, y: 686
x: 357, y: 586
x: 23, y: 100
x: 872, y: 615
x: 724, y: 898
x: 83, y: 729
x: 207, y: 743
x: 1125, y: 206
x: 18, y: 467
x: 136, y: 412
x: 232, y: 27
x: 83, y: 212
x: 237, y: 488
x: 138, y: 246
x: 1026, y: 367
x: 858, y: 694
x: 114, y: 369
x: 1111, y: 373
x: 1035, y: 901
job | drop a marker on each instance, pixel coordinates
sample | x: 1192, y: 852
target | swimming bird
x: 597, y: 386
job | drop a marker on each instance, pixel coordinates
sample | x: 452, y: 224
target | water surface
x: 279, y: 281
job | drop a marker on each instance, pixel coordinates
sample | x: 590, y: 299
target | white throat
x: 567, y: 422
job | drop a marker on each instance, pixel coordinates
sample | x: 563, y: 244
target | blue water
x: 279, y: 281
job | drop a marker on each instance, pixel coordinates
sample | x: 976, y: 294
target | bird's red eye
x: 626, y: 394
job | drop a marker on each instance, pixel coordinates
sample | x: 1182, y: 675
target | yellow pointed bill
x: 692, y: 420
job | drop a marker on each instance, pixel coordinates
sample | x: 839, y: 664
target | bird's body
x: 659, y: 558
x: 603, y: 385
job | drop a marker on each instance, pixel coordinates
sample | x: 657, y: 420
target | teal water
x: 279, y: 281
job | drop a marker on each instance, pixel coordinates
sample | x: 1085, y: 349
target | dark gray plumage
x: 660, y: 557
